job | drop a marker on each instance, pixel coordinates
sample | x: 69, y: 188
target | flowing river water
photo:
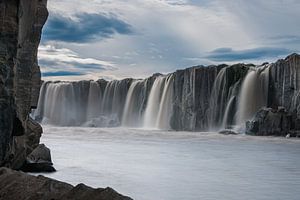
x: 167, y: 165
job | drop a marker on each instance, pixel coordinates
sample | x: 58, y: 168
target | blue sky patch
x: 85, y: 28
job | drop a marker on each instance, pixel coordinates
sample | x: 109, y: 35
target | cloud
x: 172, y: 34
x: 284, y: 39
x: 228, y: 54
x: 84, y: 27
x: 65, y: 62
x: 62, y: 73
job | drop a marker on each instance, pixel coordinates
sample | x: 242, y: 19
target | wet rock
x: 227, y: 132
x: 39, y: 160
x: 270, y: 122
x: 17, y: 185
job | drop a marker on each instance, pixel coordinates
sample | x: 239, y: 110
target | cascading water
x: 159, y: 106
x: 165, y: 108
x: 222, y: 107
x: 154, y: 98
x: 119, y: 103
x: 94, y: 101
x: 133, y: 109
x: 218, y: 100
x: 254, y: 93
x: 140, y: 103
x: 198, y: 98
x: 59, y: 107
x: 229, y: 109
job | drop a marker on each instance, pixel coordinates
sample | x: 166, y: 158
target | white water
x: 158, y: 165
x: 130, y: 116
x: 227, y: 110
x: 253, y: 94
x: 93, y: 105
x: 159, y: 107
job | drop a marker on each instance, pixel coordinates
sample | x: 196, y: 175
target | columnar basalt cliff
x: 195, y: 99
x: 20, y: 79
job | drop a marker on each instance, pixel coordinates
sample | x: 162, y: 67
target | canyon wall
x: 199, y: 98
x: 20, y: 78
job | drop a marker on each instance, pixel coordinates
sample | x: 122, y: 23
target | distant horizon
x: 118, y: 39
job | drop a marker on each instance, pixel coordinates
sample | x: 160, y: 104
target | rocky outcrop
x: 270, y: 122
x: 20, y: 78
x: 17, y: 185
x: 39, y: 160
x: 283, y: 116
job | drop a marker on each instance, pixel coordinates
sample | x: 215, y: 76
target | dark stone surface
x: 228, y: 132
x: 20, y: 78
x: 270, y: 122
x: 39, y: 160
x: 17, y: 185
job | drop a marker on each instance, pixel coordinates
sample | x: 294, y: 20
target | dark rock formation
x: 284, y: 99
x: 39, y: 160
x: 20, y: 32
x: 268, y: 121
x: 17, y: 185
x: 228, y: 132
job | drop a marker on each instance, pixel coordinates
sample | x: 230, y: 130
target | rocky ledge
x: 18, y: 185
x: 273, y: 122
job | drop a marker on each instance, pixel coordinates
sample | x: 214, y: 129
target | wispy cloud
x: 62, y: 73
x: 62, y: 61
x: 84, y: 27
x: 228, y: 54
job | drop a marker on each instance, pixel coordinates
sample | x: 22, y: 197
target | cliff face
x: 283, y: 117
x: 20, y: 79
x: 215, y: 97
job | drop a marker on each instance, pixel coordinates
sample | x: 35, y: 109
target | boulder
x: 270, y: 122
x: 39, y: 160
x: 228, y: 132
x: 18, y: 185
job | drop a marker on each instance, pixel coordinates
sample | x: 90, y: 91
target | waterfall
x: 254, y: 93
x: 197, y: 98
x: 94, y: 101
x: 159, y: 107
x: 132, y: 115
x: 218, y: 100
x: 229, y: 109
x: 222, y: 107
x: 60, y: 107
x: 149, y: 103
x: 154, y: 99
x: 165, y: 107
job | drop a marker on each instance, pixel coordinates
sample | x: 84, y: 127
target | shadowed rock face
x: 20, y: 78
x: 17, y: 185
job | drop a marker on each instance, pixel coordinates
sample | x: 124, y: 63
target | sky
x: 116, y: 39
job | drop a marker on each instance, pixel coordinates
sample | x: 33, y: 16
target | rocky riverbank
x: 18, y: 185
